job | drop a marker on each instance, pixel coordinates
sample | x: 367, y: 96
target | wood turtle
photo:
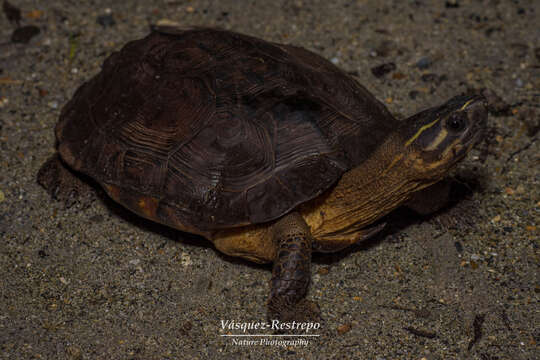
x: 268, y: 150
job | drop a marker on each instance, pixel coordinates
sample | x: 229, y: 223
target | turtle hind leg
x: 291, y: 273
x: 63, y: 184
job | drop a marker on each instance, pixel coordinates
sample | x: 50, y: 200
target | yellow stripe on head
x: 466, y: 104
x: 438, y: 140
x: 421, y: 130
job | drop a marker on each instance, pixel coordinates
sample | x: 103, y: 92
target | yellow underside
x: 255, y: 242
x: 336, y: 219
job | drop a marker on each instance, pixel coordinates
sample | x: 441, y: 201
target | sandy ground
x: 100, y: 283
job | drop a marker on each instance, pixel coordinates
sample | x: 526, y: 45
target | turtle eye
x: 457, y: 122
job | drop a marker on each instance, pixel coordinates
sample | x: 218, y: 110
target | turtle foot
x: 64, y: 185
x: 304, y: 311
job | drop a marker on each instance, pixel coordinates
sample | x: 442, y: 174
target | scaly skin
x: 291, y: 272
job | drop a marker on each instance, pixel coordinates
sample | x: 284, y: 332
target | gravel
x: 99, y: 282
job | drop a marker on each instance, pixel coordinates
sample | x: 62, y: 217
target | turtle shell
x: 204, y: 129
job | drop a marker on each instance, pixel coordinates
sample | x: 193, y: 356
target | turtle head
x: 437, y: 138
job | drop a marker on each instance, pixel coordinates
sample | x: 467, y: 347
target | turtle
x: 268, y: 150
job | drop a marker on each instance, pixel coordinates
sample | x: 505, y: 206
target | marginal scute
x: 206, y: 129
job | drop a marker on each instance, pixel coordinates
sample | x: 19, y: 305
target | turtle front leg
x: 291, y: 273
x: 431, y: 199
x: 442, y: 196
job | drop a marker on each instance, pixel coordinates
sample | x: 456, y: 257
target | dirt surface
x: 100, y: 283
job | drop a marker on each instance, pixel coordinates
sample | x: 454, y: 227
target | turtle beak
x: 476, y: 110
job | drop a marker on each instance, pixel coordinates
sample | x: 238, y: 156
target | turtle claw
x: 301, y: 312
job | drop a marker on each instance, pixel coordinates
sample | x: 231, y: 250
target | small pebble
x: 24, y: 34
x: 34, y: 14
x: 97, y: 219
x: 342, y: 329
x: 335, y: 60
x: 429, y: 78
x: 187, y: 326
x: 185, y: 259
x: 3, y: 101
x: 323, y: 271
x: 106, y: 20
x: 475, y: 257
x: 42, y: 92
x: 381, y: 70
x: 384, y: 49
x: 167, y: 22
x: 53, y: 104
x: 519, y: 82
x: 424, y: 63
x: 452, y: 4
x: 135, y: 262
x: 63, y: 280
